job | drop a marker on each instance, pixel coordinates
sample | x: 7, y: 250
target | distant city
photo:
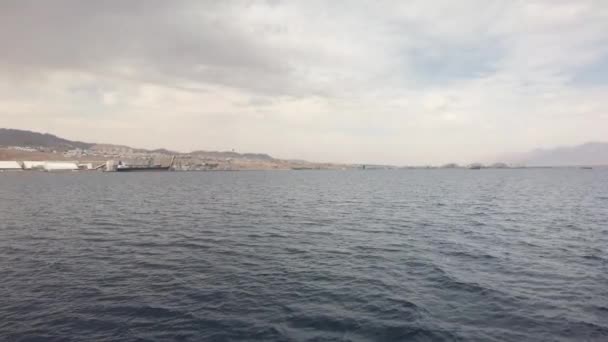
x: 35, y: 151
x: 26, y: 150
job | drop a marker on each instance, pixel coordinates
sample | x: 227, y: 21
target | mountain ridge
x: 17, y: 137
x: 593, y: 153
x: 26, y: 138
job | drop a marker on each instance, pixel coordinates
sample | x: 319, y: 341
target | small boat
x: 127, y: 168
x: 586, y: 167
x: 122, y: 167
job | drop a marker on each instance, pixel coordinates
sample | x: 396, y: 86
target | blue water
x: 409, y: 255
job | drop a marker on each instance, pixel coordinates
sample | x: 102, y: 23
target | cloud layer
x: 360, y: 81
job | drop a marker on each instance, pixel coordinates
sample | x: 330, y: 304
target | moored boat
x: 122, y: 167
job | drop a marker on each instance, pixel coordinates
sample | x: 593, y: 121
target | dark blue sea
x: 403, y: 255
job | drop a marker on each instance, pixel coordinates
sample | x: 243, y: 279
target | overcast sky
x: 399, y: 82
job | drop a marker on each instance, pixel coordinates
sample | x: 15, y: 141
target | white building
x: 33, y: 165
x: 10, y: 166
x: 111, y: 166
x: 60, y: 166
x: 85, y: 166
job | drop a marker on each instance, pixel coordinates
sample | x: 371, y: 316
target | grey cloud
x: 169, y: 41
x: 314, y: 76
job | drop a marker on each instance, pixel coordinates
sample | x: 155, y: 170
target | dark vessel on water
x: 137, y: 168
x: 122, y: 167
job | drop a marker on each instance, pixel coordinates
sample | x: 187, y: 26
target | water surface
x: 409, y: 255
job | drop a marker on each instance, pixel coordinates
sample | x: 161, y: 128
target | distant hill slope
x: 16, y: 137
x: 229, y: 154
x: 592, y: 153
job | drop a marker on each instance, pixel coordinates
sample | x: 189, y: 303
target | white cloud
x: 384, y: 82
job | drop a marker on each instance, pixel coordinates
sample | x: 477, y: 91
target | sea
x: 376, y: 255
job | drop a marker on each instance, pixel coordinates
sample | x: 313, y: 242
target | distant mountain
x: 229, y: 154
x: 592, y: 153
x: 162, y: 151
x: 16, y: 137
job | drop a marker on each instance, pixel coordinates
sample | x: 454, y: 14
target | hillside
x: 16, y: 137
x: 22, y: 138
x: 234, y: 155
x: 592, y: 153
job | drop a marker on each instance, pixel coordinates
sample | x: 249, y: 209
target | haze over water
x: 420, y: 255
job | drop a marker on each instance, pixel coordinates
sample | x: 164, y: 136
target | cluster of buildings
x: 44, y: 166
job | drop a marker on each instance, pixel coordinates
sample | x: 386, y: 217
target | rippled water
x: 420, y: 255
